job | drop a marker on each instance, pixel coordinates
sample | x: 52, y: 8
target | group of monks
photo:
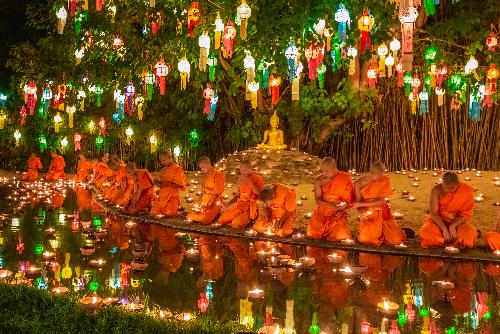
x: 272, y: 208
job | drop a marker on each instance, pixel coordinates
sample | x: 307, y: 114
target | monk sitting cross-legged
x: 451, y: 206
x: 172, y: 181
x: 333, y: 191
x: 377, y: 225
x: 84, y: 166
x: 243, y: 207
x: 118, y: 179
x: 280, y: 210
x: 34, y: 164
x: 212, y: 188
x: 101, y: 172
x: 143, y: 189
x: 56, y: 169
x: 126, y: 190
x: 493, y: 237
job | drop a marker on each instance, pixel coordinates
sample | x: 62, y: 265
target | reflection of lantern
x: 344, y: 21
x: 161, y: 72
x: 352, y: 53
x: 382, y: 51
x: 70, y: 110
x: 57, y: 122
x: 228, y: 39
x: 129, y: 133
x: 492, y: 75
x: 219, y: 28
x: 365, y: 24
x: 253, y: 87
x: 184, y: 69
x: 244, y: 12
x: 193, y: 18
x: 76, y: 139
x: 17, y: 137
x: 61, y: 15
x: 153, y: 141
x: 30, y: 96
x: 203, y: 302
x: 275, y: 89
x: 204, y: 44
x: 139, y: 101
x: 208, y: 93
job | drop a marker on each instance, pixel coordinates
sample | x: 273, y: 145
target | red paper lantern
x: 203, y: 302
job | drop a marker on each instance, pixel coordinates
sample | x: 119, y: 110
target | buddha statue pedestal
x: 273, y: 138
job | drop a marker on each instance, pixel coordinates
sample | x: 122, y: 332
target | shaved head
x: 165, y: 154
x: 267, y: 193
x: 377, y: 167
x: 131, y: 167
x: 205, y: 165
x: 450, y: 179
x: 204, y: 160
x: 329, y: 162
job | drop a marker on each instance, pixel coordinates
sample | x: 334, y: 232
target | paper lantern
x: 249, y: 65
x: 291, y: 54
x: 161, y: 70
x: 3, y: 100
x: 184, y: 69
x: 194, y: 138
x: 407, y: 80
x: 228, y: 39
x: 343, y: 20
x: 91, y: 126
x: 99, y: 142
x: 153, y: 141
x: 117, y: 42
x: 314, y: 328
x: 212, y: 63
x: 395, y: 46
x: 441, y: 72
x: 440, y: 94
x: 42, y: 142
x: 30, y: 96
x: 407, y: 16
x: 296, y: 82
x: 149, y: 80
x: 81, y: 97
x: 352, y: 53
x: 203, y: 303
x: 59, y: 98
x: 244, y: 12
x: 102, y: 126
x: 208, y: 93
x: 129, y: 132
x: 275, y: 89
x: 46, y: 97
x: 204, y: 44
x: 471, y: 65
x: 491, y: 42
x: 139, y: 102
x: 64, y: 144
x: 193, y: 18
x: 219, y: 28
x: 76, y: 140
x: 61, y: 15
x: 475, y: 104
x: 177, y: 151
x: 57, y: 122
x: 23, y: 114
x: 130, y: 94
x: 372, y: 74
x: 389, y: 61
x: 314, y: 55
x: 213, y: 107
x: 319, y: 27
x: 365, y: 25
x: 3, y: 117
x: 382, y: 51
x: 321, y: 76
x: 492, y: 75
x: 253, y: 88
x: 424, y: 102
x: 98, y: 93
x: 71, y: 111
x: 98, y: 5
x: 17, y: 137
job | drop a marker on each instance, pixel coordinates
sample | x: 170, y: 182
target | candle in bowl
x: 401, y: 246
x: 445, y: 285
x: 110, y: 301
x: 346, y: 271
x: 479, y: 199
x: 180, y: 235
x: 130, y: 224
x: 411, y: 198
x: 397, y: 215
x: 308, y: 215
x: 50, y: 231
x: 415, y: 184
x: 307, y: 261
x: 387, y: 307
x: 497, y: 252
x: 451, y: 250
x: 250, y: 233
x: 59, y: 290
x: 497, y: 183
x: 192, y: 253
x: 298, y: 236
x: 134, y: 307
x: 91, y: 303
x: 348, y: 241
x: 335, y: 258
x: 5, y: 273
x: 467, y: 178
x: 416, y: 179
x: 299, y: 202
x: 97, y: 263
x: 256, y: 293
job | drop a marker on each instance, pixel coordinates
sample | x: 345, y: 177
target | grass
x: 28, y: 310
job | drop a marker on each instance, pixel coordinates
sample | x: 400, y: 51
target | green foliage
x: 27, y: 310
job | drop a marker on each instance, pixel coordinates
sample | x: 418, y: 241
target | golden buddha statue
x: 273, y: 138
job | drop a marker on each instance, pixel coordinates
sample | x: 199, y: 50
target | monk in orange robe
x: 333, y: 191
x: 56, y: 169
x: 213, y: 186
x: 126, y: 191
x: 84, y: 166
x: 451, y: 207
x: 117, y: 180
x: 243, y: 207
x: 172, y: 181
x: 34, y: 164
x: 143, y: 189
x: 279, y: 212
x: 493, y: 237
x: 377, y: 225
x: 101, y: 172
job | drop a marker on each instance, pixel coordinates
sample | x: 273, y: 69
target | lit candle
x: 347, y: 241
x: 251, y: 233
x: 452, y: 250
x: 256, y: 293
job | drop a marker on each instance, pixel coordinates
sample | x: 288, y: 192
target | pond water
x: 59, y: 230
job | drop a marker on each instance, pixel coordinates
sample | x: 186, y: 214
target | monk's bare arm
x: 434, y: 212
x: 255, y: 188
x: 318, y: 195
x: 497, y: 225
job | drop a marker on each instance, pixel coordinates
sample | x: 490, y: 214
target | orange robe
x: 325, y: 223
x: 83, y: 170
x: 213, y: 185
x: 377, y: 225
x: 283, y: 202
x: 101, y: 172
x: 168, y: 201
x: 56, y: 170
x: 459, y: 203
x: 119, y: 177
x: 144, y: 186
x: 34, y: 164
x: 83, y: 198
x: 245, y: 208
x: 212, y: 263
x: 126, y: 191
x: 493, y: 240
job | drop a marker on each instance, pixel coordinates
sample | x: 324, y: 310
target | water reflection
x: 58, y: 239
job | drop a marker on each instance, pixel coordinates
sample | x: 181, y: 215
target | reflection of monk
x: 273, y: 138
x: 377, y: 225
x: 493, y: 237
x: 171, y: 253
x: 243, y: 206
x: 143, y: 189
x: 333, y: 191
x: 83, y: 198
x: 451, y: 207
x: 34, y: 164
x: 213, y: 186
x: 212, y: 263
x: 172, y: 181
x: 84, y: 166
x: 280, y: 210
x: 57, y: 200
x: 56, y: 169
x: 244, y: 258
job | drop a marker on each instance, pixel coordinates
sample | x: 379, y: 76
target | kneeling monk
x: 451, y: 206
x: 280, y: 210
x: 493, y: 237
x: 172, y: 181
x: 333, y: 191
x: 126, y: 189
x: 243, y: 206
x: 34, y: 164
x: 101, y: 172
x: 143, y: 189
x: 84, y: 166
x: 377, y: 225
x: 212, y: 188
x: 56, y: 169
x: 118, y: 179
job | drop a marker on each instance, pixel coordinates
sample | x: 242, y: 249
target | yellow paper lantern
x: 57, y: 122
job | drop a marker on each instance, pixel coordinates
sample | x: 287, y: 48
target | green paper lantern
x: 314, y: 328
x: 402, y: 319
x: 487, y: 315
x: 451, y: 330
x: 99, y: 142
x: 424, y: 312
x: 42, y: 142
x: 94, y: 286
x: 194, y: 138
x: 38, y: 249
x: 431, y: 53
x: 97, y: 221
